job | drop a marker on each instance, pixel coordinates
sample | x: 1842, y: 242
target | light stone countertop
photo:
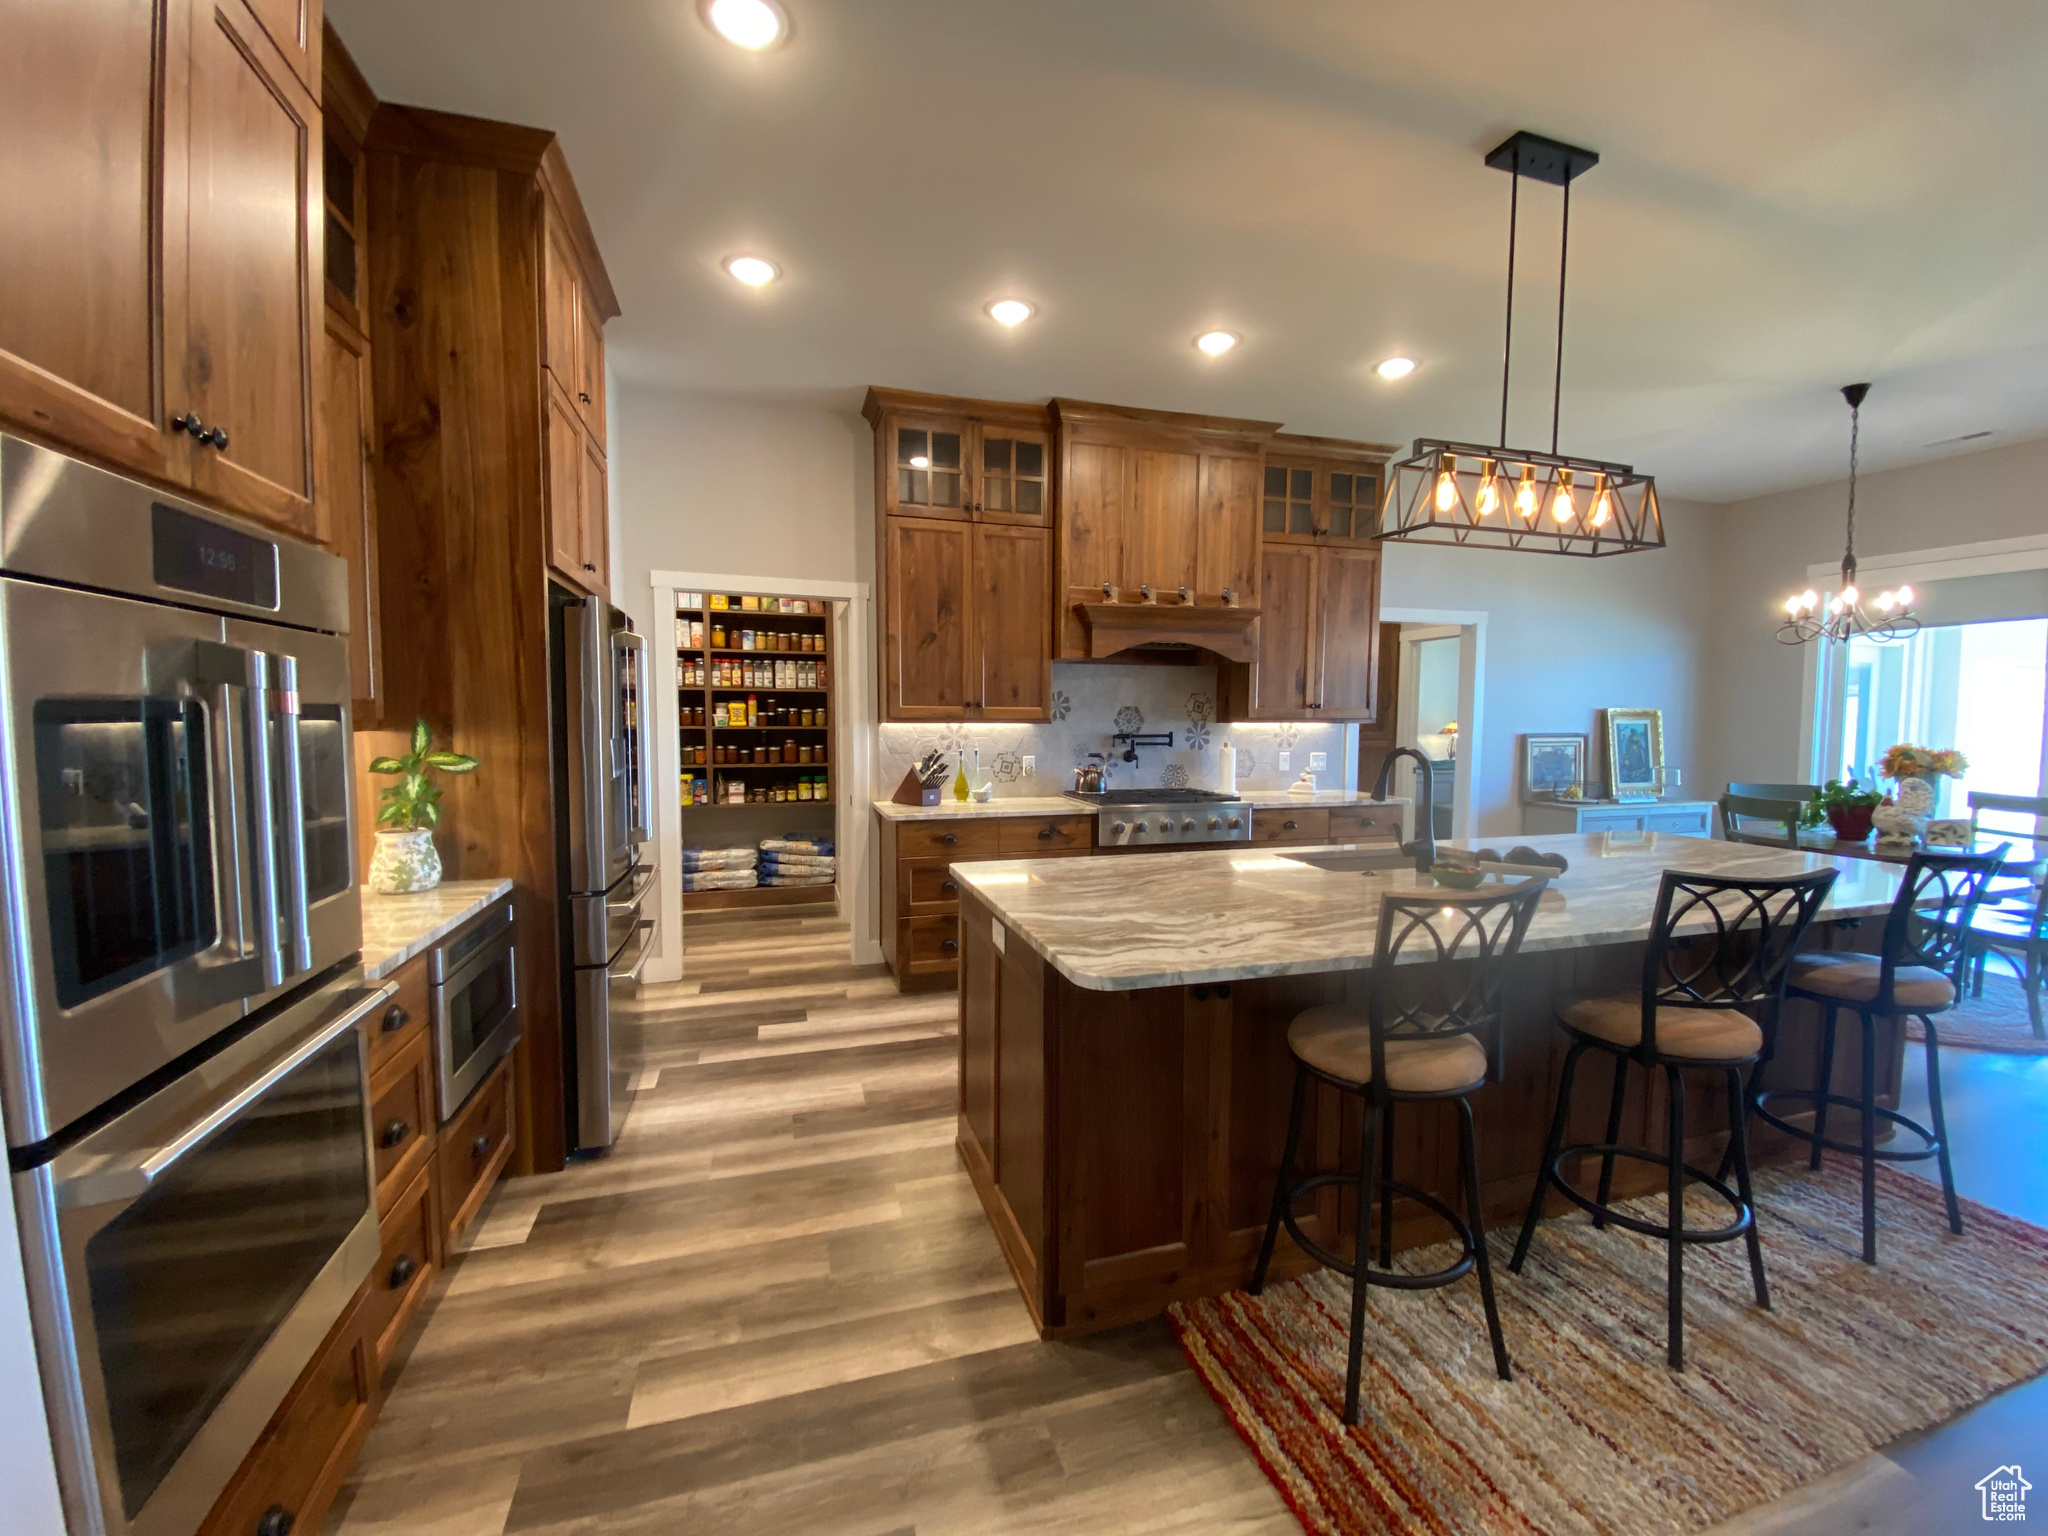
x: 1173, y: 919
x: 395, y: 928
x: 1060, y: 805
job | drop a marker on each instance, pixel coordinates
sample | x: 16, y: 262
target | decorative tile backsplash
x: 1090, y: 702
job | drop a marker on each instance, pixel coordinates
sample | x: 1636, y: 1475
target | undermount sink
x: 1355, y: 860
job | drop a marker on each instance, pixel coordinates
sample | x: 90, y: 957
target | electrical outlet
x: 1030, y: 766
x: 1319, y: 759
x: 1286, y: 761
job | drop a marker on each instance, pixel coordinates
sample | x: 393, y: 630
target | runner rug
x: 1596, y: 1434
x: 1997, y: 1021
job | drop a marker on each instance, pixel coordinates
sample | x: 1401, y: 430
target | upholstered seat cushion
x: 1339, y: 1041
x: 1853, y: 978
x: 1697, y: 1034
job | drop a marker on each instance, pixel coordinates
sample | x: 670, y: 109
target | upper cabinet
x: 1319, y: 638
x: 293, y: 27
x: 572, y: 354
x: 1321, y: 490
x: 973, y: 460
x: 161, y: 197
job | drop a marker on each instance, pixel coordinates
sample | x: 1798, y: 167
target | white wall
x: 1762, y: 547
x: 1567, y: 637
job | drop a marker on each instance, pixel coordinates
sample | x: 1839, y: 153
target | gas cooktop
x: 1166, y: 818
x: 1159, y: 796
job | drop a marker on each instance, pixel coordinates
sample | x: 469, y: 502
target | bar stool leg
x: 1869, y: 1137
x: 1361, y: 1255
x: 2031, y: 985
x: 1827, y: 1086
x: 1738, y: 1149
x: 1550, y: 1150
x: 1746, y: 1104
x: 1613, y: 1134
x: 1285, y: 1180
x: 1468, y: 1154
x: 1386, y: 1193
x: 1674, y: 1295
x: 1948, y: 1176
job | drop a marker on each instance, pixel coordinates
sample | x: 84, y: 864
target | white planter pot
x: 404, y: 862
x: 1906, y: 818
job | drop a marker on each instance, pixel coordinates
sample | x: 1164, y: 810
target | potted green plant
x: 1845, y: 807
x: 405, y: 859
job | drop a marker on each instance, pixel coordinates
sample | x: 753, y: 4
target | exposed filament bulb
x: 1447, y: 484
x: 1561, y: 507
x: 1602, y: 506
x: 1488, y: 501
x: 1525, y: 494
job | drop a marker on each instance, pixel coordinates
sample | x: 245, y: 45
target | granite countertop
x: 396, y: 928
x: 1171, y: 919
x: 1060, y: 805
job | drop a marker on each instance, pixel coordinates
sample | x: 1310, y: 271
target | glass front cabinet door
x: 969, y: 468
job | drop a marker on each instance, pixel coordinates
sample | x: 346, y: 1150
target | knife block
x: 910, y: 792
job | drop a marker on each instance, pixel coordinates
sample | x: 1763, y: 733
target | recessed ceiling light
x: 1396, y: 368
x: 752, y: 270
x: 1216, y: 343
x: 1010, y: 312
x: 749, y: 24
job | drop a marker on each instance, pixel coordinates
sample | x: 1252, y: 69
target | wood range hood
x: 1169, y: 630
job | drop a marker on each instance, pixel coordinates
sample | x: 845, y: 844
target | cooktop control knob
x: 1117, y: 830
x: 1188, y: 825
x: 1139, y: 828
x: 1236, y: 822
x: 1215, y: 822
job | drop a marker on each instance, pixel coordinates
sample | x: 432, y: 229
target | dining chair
x: 1755, y: 789
x: 1781, y: 814
x: 2019, y: 936
x: 2019, y: 892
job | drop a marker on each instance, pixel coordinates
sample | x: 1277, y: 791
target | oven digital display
x: 194, y: 555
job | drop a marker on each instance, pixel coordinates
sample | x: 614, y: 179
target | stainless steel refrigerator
x: 602, y: 768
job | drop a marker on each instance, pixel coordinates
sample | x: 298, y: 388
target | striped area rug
x: 1997, y: 1021
x: 1595, y: 1434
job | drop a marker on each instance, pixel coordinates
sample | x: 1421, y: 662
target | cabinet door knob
x: 189, y: 422
x: 949, y: 888
x: 588, y: 566
x: 218, y: 437
x: 394, y: 1133
x: 950, y: 946
x: 276, y: 1521
x: 396, y: 1018
x: 583, y: 397
x: 403, y: 1268
x: 481, y: 1147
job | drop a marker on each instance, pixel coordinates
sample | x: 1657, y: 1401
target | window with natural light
x: 1979, y: 688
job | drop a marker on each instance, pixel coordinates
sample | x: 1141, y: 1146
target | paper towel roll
x: 1226, y: 770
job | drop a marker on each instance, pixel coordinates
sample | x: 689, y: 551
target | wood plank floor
x: 775, y: 1307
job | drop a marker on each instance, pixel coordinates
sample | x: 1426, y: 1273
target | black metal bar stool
x: 1708, y: 998
x: 1918, y: 971
x: 1434, y: 1009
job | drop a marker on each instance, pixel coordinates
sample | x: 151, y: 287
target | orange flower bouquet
x: 1906, y: 761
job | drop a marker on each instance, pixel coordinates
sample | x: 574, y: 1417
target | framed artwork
x: 1551, y: 763
x: 1635, y: 751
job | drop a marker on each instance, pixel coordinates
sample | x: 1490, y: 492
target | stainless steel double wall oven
x: 183, y: 1078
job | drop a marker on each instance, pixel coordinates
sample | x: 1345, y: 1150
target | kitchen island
x: 1125, y: 1077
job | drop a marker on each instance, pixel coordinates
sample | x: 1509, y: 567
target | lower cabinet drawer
x: 926, y: 887
x: 952, y: 837
x: 404, y: 1274
x: 402, y: 1020
x: 928, y: 944
x: 1365, y: 823
x: 1284, y: 824
x: 474, y: 1148
x: 1019, y: 837
x: 402, y: 1120
x: 293, y: 1474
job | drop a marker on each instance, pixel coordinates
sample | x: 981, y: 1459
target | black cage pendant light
x: 1492, y: 496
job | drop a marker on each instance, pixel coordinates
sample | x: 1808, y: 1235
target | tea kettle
x: 1091, y: 778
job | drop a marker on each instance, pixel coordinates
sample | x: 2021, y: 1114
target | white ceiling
x: 1792, y: 194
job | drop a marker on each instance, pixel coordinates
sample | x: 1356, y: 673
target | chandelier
x: 1842, y: 617
x: 1495, y: 497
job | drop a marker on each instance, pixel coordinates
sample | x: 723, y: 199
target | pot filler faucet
x: 1424, y: 844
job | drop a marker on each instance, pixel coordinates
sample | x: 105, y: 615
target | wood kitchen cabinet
x: 1319, y: 638
x: 966, y: 626
x: 170, y: 274
x: 572, y: 332
x: 1321, y: 490
x: 968, y: 460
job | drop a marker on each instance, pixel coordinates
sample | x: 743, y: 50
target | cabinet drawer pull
x: 396, y: 1018
x: 1290, y: 826
x: 583, y: 397
x: 403, y: 1268
x: 1045, y: 834
x: 218, y: 437
x: 588, y: 566
x: 276, y: 1521
x: 949, y: 888
x: 481, y: 1147
x: 189, y: 422
x: 950, y: 946
x: 394, y: 1134
x: 949, y: 838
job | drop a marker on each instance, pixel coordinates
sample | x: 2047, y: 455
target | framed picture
x: 1552, y: 763
x: 1635, y: 750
